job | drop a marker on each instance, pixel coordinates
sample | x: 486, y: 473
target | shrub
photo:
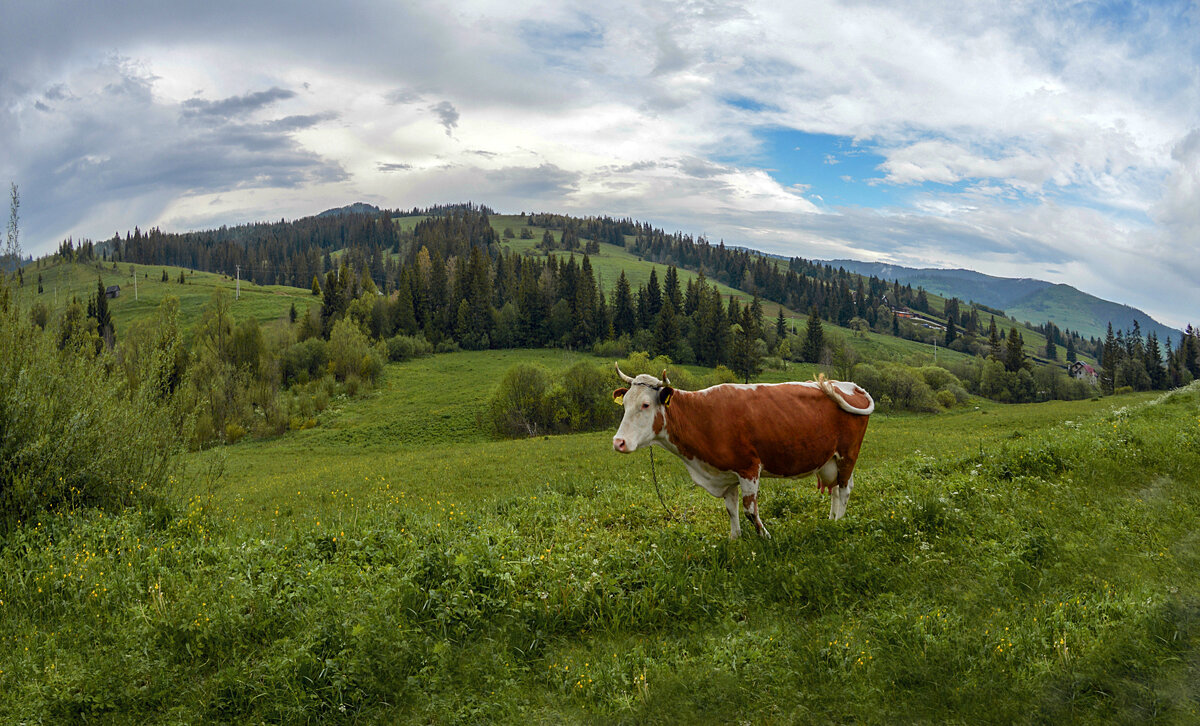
x: 75, y: 433
x: 519, y: 406
x: 304, y: 361
x: 582, y: 399
x: 351, y: 354
x: 895, y: 386
x: 234, y: 432
x: 406, y: 347
x: 937, y: 377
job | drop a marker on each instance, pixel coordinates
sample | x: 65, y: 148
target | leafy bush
x: 351, y: 354
x: 305, y: 361
x: 582, y: 399
x: 406, y: 347
x: 895, y: 386
x: 520, y: 405
x: 73, y: 432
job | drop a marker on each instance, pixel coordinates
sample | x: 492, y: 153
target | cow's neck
x: 671, y: 432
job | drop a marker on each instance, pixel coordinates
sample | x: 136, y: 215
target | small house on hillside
x: 112, y: 291
x: 1083, y: 372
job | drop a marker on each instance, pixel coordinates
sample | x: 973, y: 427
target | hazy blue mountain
x: 1025, y: 299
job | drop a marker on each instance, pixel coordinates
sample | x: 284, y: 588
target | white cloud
x: 1013, y: 135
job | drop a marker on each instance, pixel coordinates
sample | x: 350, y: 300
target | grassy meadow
x: 396, y: 564
x: 63, y: 281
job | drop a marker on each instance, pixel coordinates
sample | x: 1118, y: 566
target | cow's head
x: 644, y: 399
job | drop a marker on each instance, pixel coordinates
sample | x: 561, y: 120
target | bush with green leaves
x: 520, y: 405
x: 351, y: 353
x: 406, y: 347
x: 895, y: 386
x: 73, y: 431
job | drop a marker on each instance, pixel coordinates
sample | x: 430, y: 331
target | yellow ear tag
x: 619, y: 400
x: 667, y: 398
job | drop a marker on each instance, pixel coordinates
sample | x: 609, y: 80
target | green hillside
x: 63, y: 281
x: 1027, y: 300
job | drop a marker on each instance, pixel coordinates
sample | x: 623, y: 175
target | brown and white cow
x: 731, y: 435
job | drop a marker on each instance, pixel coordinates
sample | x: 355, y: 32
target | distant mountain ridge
x: 356, y: 208
x: 1025, y: 299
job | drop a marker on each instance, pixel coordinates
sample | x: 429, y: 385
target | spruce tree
x: 1154, y: 363
x: 624, y: 316
x: 745, y: 355
x: 1109, y: 362
x: 1014, y: 354
x: 814, y: 338
x: 666, y: 331
x: 104, y: 324
x: 654, y: 295
x: 671, y: 289
x: 1072, y: 356
x: 993, y: 340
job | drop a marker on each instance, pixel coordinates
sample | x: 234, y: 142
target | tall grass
x: 1046, y: 578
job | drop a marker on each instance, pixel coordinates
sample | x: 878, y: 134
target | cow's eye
x: 645, y: 405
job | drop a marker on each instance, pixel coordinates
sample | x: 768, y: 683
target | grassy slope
x: 425, y: 416
x: 996, y: 565
x: 1086, y: 313
x: 66, y: 280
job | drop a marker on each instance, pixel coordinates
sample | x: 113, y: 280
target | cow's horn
x: 665, y: 382
x: 627, y: 379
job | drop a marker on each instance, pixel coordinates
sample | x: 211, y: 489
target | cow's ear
x: 664, y: 395
x: 619, y: 396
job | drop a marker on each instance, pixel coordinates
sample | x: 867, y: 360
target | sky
x: 1056, y: 140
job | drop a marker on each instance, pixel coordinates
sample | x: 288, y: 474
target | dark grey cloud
x: 403, y: 96
x: 701, y: 168
x: 391, y: 166
x: 300, y: 122
x: 447, y: 116
x: 122, y: 155
x: 236, y: 105
x: 58, y: 92
x: 547, y: 182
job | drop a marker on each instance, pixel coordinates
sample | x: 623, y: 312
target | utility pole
x: 135, y: 295
x: 238, y: 295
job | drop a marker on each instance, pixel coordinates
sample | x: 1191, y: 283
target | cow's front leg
x: 750, y: 504
x: 731, y: 506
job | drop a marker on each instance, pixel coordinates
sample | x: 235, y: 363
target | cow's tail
x: 838, y: 398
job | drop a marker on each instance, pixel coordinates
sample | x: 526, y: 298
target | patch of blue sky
x: 838, y: 170
x: 559, y: 42
x: 748, y: 104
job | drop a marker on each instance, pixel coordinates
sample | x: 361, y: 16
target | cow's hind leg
x: 841, y: 494
x: 750, y: 505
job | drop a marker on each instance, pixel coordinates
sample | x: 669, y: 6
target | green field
x: 63, y: 281
x: 997, y: 564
